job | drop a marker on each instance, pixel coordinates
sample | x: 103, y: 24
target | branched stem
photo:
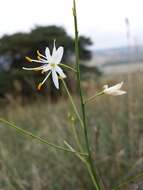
x: 27, y: 133
x: 78, y: 155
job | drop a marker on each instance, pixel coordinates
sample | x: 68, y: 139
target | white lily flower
x: 50, y: 64
x: 114, y: 90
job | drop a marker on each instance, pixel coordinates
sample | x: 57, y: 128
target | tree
x: 18, y: 45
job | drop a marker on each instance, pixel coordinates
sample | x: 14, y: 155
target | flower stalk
x: 89, y: 159
x: 68, y: 67
x: 92, y: 98
x: 73, y: 104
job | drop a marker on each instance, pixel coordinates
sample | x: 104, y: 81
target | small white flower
x: 114, y: 90
x: 50, y: 64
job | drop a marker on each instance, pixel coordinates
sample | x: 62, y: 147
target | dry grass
x: 115, y: 129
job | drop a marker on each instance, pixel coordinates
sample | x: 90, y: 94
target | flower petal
x: 48, y: 55
x: 118, y: 93
x: 114, y: 90
x: 57, y: 55
x: 55, y: 79
x: 116, y: 87
x: 54, y: 48
x: 105, y: 87
x: 60, y: 72
x: 46, y: 67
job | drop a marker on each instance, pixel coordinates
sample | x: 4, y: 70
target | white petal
x: 55, y: 79
x: 57, y: 55
x: 118, y: 93
x: 47, y: 67
x: 114, y: 90
x: 48, y: 55
x: 116, y: 87
x: 54, y: 48
x: 105, y: 87
x: 60, y: 72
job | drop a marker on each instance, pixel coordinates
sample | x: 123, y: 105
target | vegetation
x: 116, y: 135
x: 18, y: 45
x: 14, y: 48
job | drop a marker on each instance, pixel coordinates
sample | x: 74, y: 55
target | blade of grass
x: 125, y: 183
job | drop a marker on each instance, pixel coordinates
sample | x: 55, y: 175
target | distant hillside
x: 117, y: 56
x: 118, y: 60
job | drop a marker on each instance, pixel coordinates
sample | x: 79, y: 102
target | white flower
x: 114, y: 90
x: 50, y: 64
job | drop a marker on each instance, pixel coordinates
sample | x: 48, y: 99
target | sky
x: 101, y: 20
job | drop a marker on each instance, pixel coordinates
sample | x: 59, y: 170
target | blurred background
x: 111, y: 51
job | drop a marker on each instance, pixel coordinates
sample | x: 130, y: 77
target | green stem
x: 90, y: 166
x: 73, y: 104
x: 76, y: 137
x: 27, y: 133
x: 92, y: 176
x: 78, y: 155
x: 92, y: 98
x: 66, y: 66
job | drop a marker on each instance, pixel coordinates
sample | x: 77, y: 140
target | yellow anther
x: 42, y: 71
x: 39, y: 86
x: 39, y: 58
x: 39, y: 53
x: 28, y: 59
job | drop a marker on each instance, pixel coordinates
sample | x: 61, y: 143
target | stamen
x: 39, y: 53
x: 41, y: 83
x: 39, y: 86
x: 42, y: 71
x: 28, y: 59
x: 39, y: 58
